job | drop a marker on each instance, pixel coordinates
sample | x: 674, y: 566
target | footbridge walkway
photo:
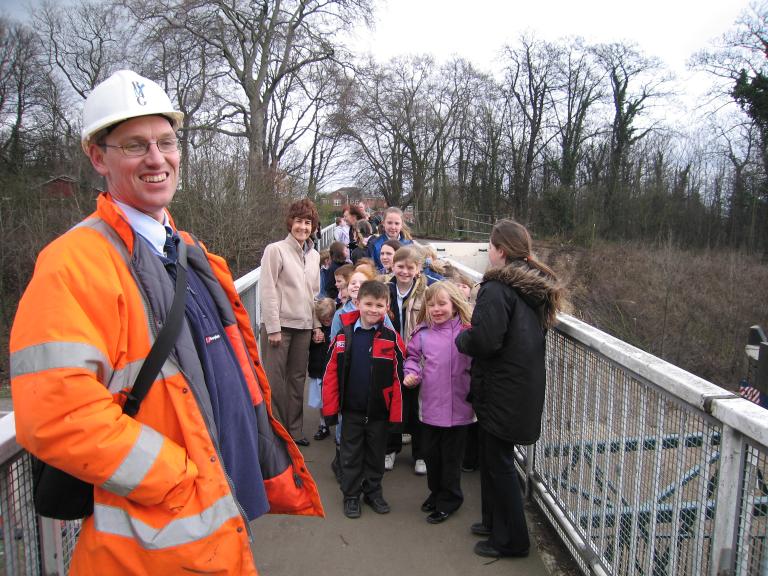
x: 642, y: 468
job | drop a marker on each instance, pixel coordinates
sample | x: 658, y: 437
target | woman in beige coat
x: 290, y: 280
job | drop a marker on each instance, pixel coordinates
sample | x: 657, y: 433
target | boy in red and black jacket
x: 362, y: 382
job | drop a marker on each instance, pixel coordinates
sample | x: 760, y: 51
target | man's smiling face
x: 146, y: 182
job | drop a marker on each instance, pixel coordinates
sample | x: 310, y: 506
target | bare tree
x: 529, y: 80
x: 84, y: 41
x: 372, y: 123
x: 579, y: 88
x: 22, y: 76
x: 263, y: 45
x: 635, y: 81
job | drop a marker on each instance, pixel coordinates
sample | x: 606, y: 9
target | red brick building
x: 59, y: 187
x: 352, y: 195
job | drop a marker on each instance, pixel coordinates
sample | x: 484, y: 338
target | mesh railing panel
x: 69, y: 532
x: 632, y: 467
x: 20, y: 550
x: 753, y: 507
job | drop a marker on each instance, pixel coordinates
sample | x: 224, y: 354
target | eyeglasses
x: 136, y: 149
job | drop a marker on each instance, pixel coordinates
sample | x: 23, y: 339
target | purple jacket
x: 443, y: 373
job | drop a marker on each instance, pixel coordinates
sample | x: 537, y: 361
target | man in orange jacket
x: 176, y: 486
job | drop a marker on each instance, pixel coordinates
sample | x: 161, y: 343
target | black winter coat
x: 318, y: 354
x: 506, y: 343
x: 329, y: 287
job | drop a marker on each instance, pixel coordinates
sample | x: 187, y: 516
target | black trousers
x: 502, y: 501
x: 443, y: 451
x: 362, y: 450
x: 472, y: 448
x: 412, y: 425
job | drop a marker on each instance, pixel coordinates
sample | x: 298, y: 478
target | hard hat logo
x: 138, y: 89
x: 124, y: 95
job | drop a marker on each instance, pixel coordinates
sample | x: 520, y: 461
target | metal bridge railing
x: 642, y: 468
x: 645, y: 468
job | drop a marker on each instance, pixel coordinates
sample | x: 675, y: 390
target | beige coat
x: 290, y: 279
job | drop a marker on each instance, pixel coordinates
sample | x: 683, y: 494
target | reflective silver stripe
x: 125, y: 377
x: 52, y: 355
x: 113, y: 520
x: 136, y: 464
x: 109, y: 234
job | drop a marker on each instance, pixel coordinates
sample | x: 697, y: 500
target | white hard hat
x: 124, y: 95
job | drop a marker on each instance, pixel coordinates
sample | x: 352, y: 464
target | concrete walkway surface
x: 400, y: 543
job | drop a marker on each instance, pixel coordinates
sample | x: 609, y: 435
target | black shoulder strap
x: 165, y: 340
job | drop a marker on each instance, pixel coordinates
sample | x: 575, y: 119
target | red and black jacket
x: 387, y: 360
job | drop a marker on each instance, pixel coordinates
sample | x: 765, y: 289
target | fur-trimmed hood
x: 540, y: 291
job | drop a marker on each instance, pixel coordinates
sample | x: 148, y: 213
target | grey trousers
x: 286, y: 368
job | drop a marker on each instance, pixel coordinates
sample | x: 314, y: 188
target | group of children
x: 388, y: 365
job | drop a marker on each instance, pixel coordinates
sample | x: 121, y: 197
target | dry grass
x: 691, y: 308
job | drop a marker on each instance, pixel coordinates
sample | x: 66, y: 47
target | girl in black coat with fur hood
x: 518, y: 301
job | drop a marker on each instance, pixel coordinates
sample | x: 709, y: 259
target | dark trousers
x: 443, y: 451
x: 286, y: 368
x: 472, y: 448
x: 362, y: 450
x: 413, y: 426
x: 502, y: 501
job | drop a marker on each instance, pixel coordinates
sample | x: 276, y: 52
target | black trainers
x: 438, y: 517
x: 480, y: 529
x: 378, y: 503
x: 487, y: 550
x: 322, y: 433
x: 352, y: 507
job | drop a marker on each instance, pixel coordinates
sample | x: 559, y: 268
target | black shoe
x: 322, y: 433
x: 488, y: 550
x: 301, y: 441
x: 480, y: 529
x: 378, y: 504
x: 465, y: 468
x: 428, y: 506
x: 437, y: 517
x: 352, y: 507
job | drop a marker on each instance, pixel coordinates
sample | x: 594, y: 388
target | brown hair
x: 366, y: 269
x: 365, y: 261
x: 394, y: 244
x: 303, y: 208
x: 434, y: 260
x: 513, y: 239
x: 374, y: 289
x: 355, y: 211
x: 345, y: 271
x: 460, y: 304
x: 458, y: 277
x: 515, y: 242
x: 363, y: 228
x: 324, y: 255
x: 325, y: 308
x: 336, y: 251
x: 409, y: 254
x: 404, y: 230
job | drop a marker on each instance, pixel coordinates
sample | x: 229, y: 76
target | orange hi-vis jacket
x: 163, y: 502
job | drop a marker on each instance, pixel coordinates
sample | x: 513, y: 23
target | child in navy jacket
x: 362, y: 382
x: 318, y: 353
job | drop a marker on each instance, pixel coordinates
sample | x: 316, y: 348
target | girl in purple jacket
x: 434, y: 363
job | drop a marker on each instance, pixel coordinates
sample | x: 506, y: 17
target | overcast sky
x: 671, y: 30
x: 477, y: 29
